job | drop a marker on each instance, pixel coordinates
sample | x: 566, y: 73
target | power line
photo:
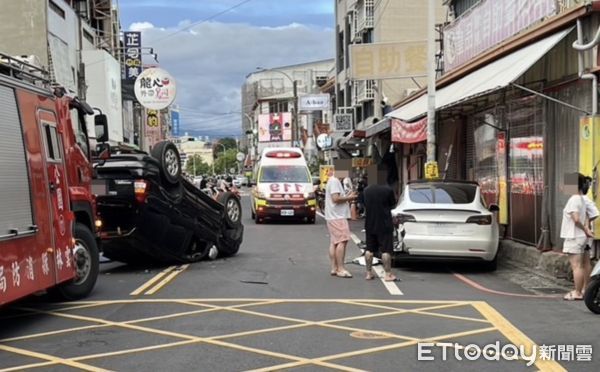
x: 202, y: 21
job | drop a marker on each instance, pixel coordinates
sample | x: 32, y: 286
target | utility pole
x: 295, y: 124
x: 431, y: 167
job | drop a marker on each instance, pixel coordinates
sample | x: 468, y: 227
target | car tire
x: 233, y: 209
x: 491, y: 265
x: 169, y: 161
x: 231, y: 241
x: 257, y: 219
x: 86, y: 259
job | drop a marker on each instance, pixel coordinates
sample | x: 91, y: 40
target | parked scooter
x: 591, y: 296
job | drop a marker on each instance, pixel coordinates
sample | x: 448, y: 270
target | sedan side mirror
x: 494, y: 208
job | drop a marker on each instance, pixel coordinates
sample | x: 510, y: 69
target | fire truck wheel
x: 169, y: 161
x: 86, y: 260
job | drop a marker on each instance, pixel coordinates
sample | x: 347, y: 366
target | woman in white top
x: 575, y: 229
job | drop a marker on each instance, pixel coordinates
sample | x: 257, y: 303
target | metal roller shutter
x: 15, y: 195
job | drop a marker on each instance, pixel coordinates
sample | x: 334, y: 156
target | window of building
x: 460, y: 7
x: 57, y: 9
x: 275, y: 107
x: 89, y: 37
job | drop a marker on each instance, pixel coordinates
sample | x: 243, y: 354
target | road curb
x: 552, y: 265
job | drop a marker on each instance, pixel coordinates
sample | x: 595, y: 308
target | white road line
x: 392, y: 287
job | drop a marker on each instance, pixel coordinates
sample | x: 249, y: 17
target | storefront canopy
x: 496, y: 75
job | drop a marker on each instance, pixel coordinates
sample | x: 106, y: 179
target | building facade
x: 516, y: 108
x: 77, y: 42
x: 268, y: 104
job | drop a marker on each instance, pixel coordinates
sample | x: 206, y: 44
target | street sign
x: 342, y: 123
x: 240, y: 156
x: 324, y: 141
x: 155, y: 89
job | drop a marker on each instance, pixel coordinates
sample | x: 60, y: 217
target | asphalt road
x: 274, y: 306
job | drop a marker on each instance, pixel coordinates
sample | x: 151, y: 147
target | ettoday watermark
x: 497, y: 351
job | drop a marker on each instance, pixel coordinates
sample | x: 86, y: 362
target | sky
x: 209, y: 56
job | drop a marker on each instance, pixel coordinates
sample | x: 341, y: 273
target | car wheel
x: 491, y: 265
x: 231, y: 241
x: 592, y: 296
x: 233, y: 209
x: 169, y: 161
x: 87, y: 264
x: 257, y: 219
x: 197, y: 250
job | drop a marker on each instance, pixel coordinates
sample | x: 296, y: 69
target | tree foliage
x: 196, y: 166
x: 229, y: 143
x: 226, y: 161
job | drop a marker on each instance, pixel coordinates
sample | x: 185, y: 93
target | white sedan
x: 448, y: 220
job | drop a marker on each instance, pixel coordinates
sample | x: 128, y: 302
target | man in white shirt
x: 575, y: 229
x: 337, y: 213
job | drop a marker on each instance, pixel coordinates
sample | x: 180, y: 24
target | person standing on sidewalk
x: 379, y: 228
x: 576, y: 232
x: 337, y: 213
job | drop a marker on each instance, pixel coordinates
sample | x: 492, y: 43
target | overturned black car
x: 150, y: 213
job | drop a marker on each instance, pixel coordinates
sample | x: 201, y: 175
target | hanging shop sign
x: 275, y: 127
x: 313, y: 102
x: 132, y: 41
x: 403, y: 132
x: 324, y: 141
x: 155, y: 89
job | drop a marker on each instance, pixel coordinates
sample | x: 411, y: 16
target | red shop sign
x: 403, y: 132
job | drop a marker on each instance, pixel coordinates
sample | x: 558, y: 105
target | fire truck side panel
x: 56, y: 179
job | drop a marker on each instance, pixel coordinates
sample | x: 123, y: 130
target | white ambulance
x: 283, y: 187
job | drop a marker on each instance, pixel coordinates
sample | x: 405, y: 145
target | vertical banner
x: 502, y: 189
x: 175, y: 123
x: 133, y: 54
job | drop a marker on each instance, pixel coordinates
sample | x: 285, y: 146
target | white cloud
x: 211, y: 60
x: 141, y: 26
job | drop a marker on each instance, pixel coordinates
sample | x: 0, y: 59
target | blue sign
x: 133, y: 54
x: 175, y: 123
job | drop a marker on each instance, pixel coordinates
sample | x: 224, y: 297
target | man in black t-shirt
x: 379, y: 228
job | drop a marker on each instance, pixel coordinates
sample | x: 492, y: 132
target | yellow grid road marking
x: 53, y: 359
x: 515, y: 336
x: 491, y: 316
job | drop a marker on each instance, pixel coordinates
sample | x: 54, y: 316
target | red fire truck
x: 47, y: 225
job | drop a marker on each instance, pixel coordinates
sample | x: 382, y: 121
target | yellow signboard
x: 373, y: 61
x: 432, y: 171
x: 325, y: 171
x: 589, y: 158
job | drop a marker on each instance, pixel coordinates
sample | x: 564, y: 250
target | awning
x: 494, y: 76
x: 378, y: 127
